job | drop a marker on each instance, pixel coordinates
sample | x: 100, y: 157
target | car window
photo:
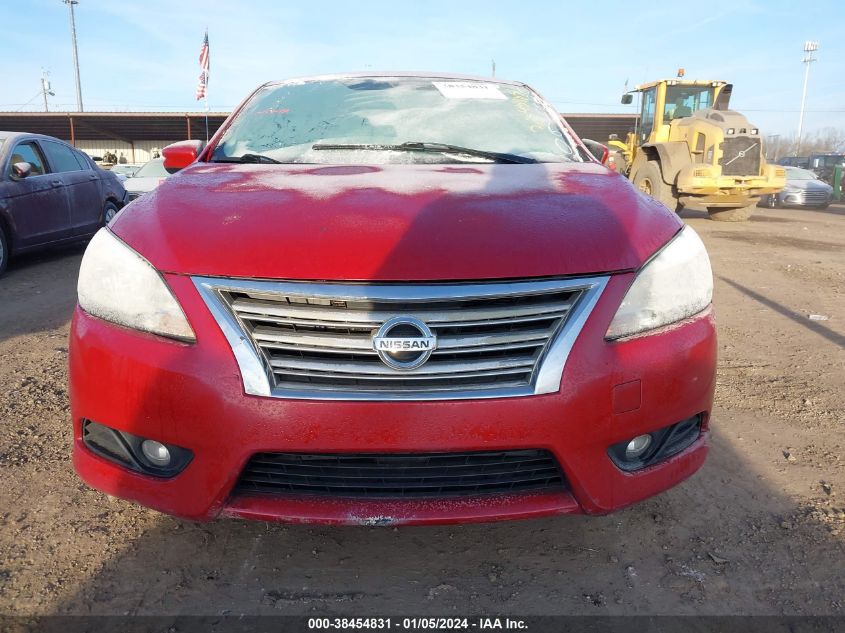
x: 82, y: 159
x: 61, y: 157
x: 28, y: 153
x: 284, y: 121
x: 153, y: 169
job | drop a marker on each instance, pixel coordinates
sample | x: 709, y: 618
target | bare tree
x: 829, y: 140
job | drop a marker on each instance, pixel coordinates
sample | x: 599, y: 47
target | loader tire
x: 649, y: 180
x: 731, y: 214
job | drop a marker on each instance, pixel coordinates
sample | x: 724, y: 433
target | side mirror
x: 181, y: 154
x: 627, y: 98
x: 21, y: 170
x: 598, y: 150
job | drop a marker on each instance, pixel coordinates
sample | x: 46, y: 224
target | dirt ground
x: 759, y: 530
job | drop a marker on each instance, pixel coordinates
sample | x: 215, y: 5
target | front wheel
x: 771, y: 201
x: 109, y: 211
x: 649, y: 180
x: 731, y: 214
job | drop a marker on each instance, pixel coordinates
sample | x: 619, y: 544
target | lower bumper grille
x: 404, y: 475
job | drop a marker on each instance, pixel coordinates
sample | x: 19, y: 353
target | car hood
x: 809, y: 185
x: 396, y: 222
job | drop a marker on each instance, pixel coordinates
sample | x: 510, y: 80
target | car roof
x: 14, y: 136
x: 398, y: 74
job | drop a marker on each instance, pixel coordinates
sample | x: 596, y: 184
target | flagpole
x: 206, y: 115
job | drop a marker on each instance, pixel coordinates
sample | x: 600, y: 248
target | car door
x: 37, y: 205
x: 82, y: 186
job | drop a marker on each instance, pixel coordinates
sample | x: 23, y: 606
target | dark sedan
x: 50, y: 194
x: 803, y: 189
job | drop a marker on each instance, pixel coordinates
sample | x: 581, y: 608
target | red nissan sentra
x: 386, y: 299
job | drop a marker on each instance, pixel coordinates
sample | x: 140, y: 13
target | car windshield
x: 153, y: 169
x: 794, y: 173
x: 397, y: 120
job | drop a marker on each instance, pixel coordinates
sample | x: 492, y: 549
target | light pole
x: 810, y: 47
x: 45, y: 89
x: 70, y: 4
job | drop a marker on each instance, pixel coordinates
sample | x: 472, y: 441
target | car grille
x: 810, y: 196
x: 405, y: 475
x: 735, y: 165
x: 315, y: 340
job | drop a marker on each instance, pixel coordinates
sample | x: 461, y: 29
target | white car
x: 125, y: 171
x: 147, y: 178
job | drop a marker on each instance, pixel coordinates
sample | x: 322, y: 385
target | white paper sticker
x: 468, y: 90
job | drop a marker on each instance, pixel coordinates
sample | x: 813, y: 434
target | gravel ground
x: 759, y: 530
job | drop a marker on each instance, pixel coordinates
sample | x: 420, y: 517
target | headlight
x: 118, y: 285
x: 674, y: 285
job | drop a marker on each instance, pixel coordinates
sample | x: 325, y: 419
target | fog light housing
x: 156, y: 452
x: 637, y: 446
x: 140, y: 454
x: 650, y: 448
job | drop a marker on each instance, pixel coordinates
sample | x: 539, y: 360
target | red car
x: 386, y: 299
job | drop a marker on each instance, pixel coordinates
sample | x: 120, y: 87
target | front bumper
x: 804, y: 198
x: 706, y: 184
x: 191, y: 395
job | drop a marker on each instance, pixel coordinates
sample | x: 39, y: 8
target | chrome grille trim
x: 517, y: 350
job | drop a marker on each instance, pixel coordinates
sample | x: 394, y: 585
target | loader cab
x: 667, y: 100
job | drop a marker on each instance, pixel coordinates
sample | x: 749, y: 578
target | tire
x: 649, y: 180
x: 770, y: 201
x: 731, y: 214
x: 4, y: 250
x: 109, y: 211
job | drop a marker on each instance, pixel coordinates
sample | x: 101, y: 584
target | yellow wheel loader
x: 689, y: 149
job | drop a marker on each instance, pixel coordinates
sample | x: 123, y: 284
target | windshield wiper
x: 246, y: 158
x: 419, y: 146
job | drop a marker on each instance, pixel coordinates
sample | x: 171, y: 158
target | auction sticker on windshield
x: 468, y: 90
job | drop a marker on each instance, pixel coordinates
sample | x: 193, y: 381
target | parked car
x: 382, y: 299
x: 802, y: 162
x: 149, y: 176
x: 803, y: 189
x: 50, y: 194
x: 125, y: 171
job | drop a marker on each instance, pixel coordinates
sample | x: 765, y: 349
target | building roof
x: 123, y: 126
x: 173, y: 126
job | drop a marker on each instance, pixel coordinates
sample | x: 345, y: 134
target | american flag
x: 204, y: 65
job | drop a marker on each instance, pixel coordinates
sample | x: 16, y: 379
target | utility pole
x: 45, y: 89
x: 70, y: 4
x: 493, y: 65
x: 810, y: 47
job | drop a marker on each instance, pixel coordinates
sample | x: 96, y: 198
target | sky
x: 143, y: 55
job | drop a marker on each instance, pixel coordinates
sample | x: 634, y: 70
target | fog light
x: 651, y: 448
x: 157, y: 453
x: 637, y: 446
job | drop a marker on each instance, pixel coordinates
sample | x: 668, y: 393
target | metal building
x: 136, y: 134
